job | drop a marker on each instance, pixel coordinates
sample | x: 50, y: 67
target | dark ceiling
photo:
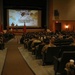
x: 25, y: 3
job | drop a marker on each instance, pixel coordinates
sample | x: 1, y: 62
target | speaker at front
x: 56, y: 14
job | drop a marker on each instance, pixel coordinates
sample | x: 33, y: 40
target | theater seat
x: 48, y: 55
x: 38, y: 52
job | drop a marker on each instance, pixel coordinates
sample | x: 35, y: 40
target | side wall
x: 66, y: 14
x: 1, y: 12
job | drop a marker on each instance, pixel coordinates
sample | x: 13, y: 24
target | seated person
x: 22, y: 40
x: 73, y: 43
x: 69, y: 69
x: 35, y: 40
x: 1, y: 42
x: 48, y: 43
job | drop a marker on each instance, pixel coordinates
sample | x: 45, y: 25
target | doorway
x: 58, y: 27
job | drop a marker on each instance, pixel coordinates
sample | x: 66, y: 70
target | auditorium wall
x: 62, y: 11
x: 1, y: 12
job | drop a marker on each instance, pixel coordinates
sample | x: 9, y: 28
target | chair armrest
x: 57, y: 59
x: 43, y: 55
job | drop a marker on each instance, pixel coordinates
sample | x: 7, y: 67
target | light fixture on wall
x: 66, y: 26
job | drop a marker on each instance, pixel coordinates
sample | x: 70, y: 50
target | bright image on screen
x: 19, y: 17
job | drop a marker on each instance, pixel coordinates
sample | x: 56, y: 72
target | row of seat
x: 58, y: 56
x: 61, y: 42
x: 5, y: 37
x: 52, y: 51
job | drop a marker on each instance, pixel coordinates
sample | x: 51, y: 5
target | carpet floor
x: 14, y: 62
x: 36, y: 64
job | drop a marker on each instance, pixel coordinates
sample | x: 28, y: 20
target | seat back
x: 63, y: 42
x: 38, y: 51
x: 66, y: 48
x: 29, y: 45
x: 51, y: 51
x: 36, y: 43
x: 66, y: 56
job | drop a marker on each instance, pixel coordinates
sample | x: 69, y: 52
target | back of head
x: 47, y: 41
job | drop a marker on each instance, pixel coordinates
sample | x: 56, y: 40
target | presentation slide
x: 18, y: 17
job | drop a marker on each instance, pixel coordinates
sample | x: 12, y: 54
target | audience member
x: 73, y: 43
x: 48, y: 43
x: 69, y: 68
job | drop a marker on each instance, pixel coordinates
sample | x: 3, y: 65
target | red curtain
x: 1, y: 30
x: 24, y: 28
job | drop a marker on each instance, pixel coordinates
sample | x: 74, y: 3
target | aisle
x: 14, y: 63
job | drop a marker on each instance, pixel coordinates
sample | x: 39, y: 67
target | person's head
x: 71, y: 61
x: 52, y: 40
x: 73, y: 39
x: 47, y: 41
